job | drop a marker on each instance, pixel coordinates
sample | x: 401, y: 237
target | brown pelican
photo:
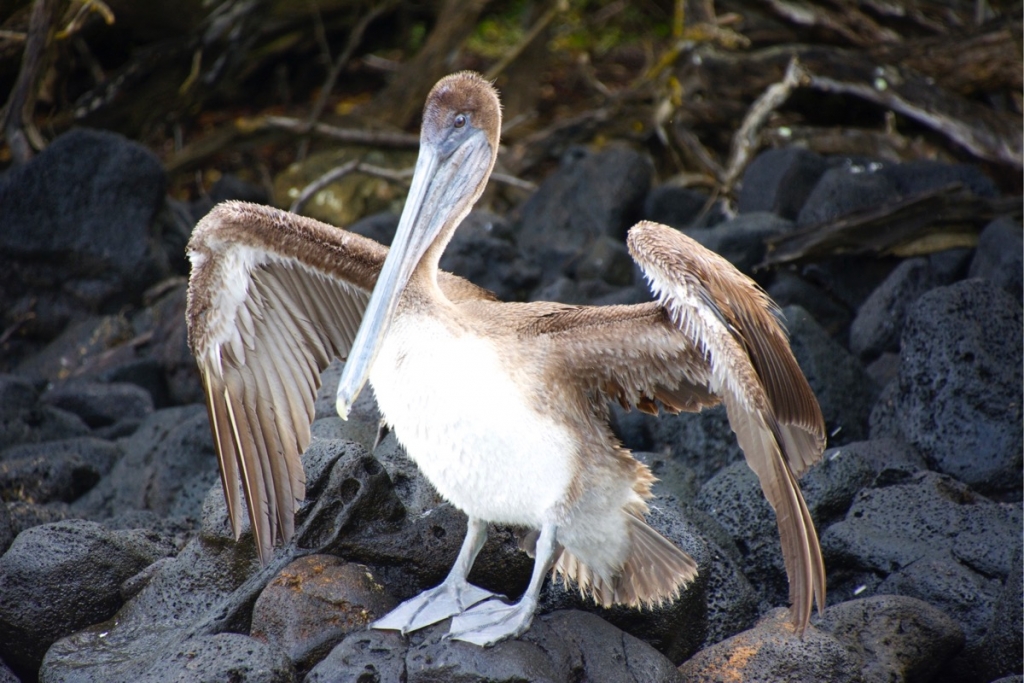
x: 503, y: 406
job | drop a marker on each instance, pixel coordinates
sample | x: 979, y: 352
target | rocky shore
x: 118, y: 563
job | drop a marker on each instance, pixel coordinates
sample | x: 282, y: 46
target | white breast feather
x: 469, y: 426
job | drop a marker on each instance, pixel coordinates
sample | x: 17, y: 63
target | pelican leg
x: 493, y: 621
x: 453, y: 596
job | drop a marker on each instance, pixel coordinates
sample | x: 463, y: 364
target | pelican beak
x: 440, y: 194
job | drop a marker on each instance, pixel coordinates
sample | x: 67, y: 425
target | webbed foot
x: 491, y: 622
x: 432, y: 606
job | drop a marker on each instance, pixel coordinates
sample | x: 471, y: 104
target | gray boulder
x: 58, y: 578
x: 957, y: 399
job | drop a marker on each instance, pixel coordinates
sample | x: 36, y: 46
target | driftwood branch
x: 354, y: 136
x: 398, y: 176
x: 81, y: 16
x: 354, y: 38
x: 729, y: 79
x: 17, y: 112
x: 745, y: 140
x: 197, y: 152
x: 932, y: 221
x: 846, y: 20
x: 538, y: 27
x: 966, y: 64
x: 339, y: 172
x: 976, y: 128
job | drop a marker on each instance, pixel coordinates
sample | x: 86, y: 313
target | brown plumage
x: 274, y: 297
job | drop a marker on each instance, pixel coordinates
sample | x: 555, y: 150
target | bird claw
x: 491, y: 622
x: 432, y: 606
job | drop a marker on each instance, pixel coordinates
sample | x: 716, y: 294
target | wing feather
x: 273, y: 298
x: 253, y: 482
x: 630, y: 354
x: 712, y: 336
x: 259, y: 447
x: 225, y: 447
x: 771, y: 407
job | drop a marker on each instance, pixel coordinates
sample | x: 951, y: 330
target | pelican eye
x: 459, y: 121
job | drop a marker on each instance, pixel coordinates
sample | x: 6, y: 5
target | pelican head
x: 458, y: 146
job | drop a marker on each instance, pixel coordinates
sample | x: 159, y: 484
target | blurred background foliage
x: 195, y: 80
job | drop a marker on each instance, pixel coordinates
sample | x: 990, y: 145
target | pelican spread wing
x: 712, y: 336
x: 273, y: 298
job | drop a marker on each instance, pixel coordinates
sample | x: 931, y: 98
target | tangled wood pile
x: 702, y: 85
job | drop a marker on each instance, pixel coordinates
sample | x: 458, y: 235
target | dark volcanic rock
x: 829, y: 486
x: 108, y: 349
x: 590, y: 195
x: 432, y: 540
x: 681, y: 207
x: 372, y: 655
x: 888, y: 461
x: 313, y: 603
x: 790, y: 289
x: 27, y: 515
x: 101, y: 404
x: 482, y: 251
x: 780, y: 180
x: 221, y: 657
x: 932, y: 538
x: 851, y: 185
x: 211, y: 586
x: 606, y: 259
x: 1000, y: 652
x: 58, y: 578
x: 56, y: 470
x: 23, y: 420
x: 363, y: 423
x: 176, y: 380
x: 915, y: 177
x: 416, y: 493
x: 741, y: 240
x: 79, y: 341
x: 586, y: 292
x: 168, y: 467
x: 702, y: 441
x: 849, y: 279
x: 772, y: 652
x: 228, y: 187
x: 379, y: 227
x: 733, y: 498
x: 75, y: 223
x: 884, y: 369
x: 964, y: 595
x: 958, y: 395
x: 732, y: 603
x: 845, y: 188
x: 950, y: 265
x: 16, y: 394
x: 895, y: 638
x: 352, y: 511
x: 999, y: 256
x: 7, y: 532
x: 561, y: 647
x: 174, y: 223
x: 879, y: 320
